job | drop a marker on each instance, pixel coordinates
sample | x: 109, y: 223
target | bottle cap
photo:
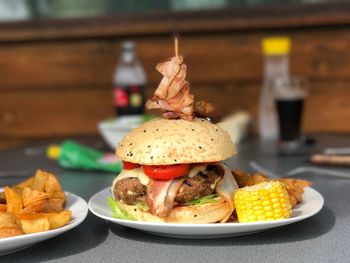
x: 276, y: 45
x: 53, y: 152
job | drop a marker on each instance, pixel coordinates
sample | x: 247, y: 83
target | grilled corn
x: 262, y: 202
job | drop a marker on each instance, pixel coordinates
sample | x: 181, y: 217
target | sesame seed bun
x: 164, y: 142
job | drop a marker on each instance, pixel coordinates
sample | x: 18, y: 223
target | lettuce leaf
x: 142, y: 206
x: 118, y: 212
x: 204, y: 200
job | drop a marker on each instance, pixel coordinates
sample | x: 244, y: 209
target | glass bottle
x: 129, y: 83
x: 276, y: 68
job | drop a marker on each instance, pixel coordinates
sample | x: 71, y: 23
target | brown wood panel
x: 76, y: 112
x: 328, y: 107
x: 52, y: 114
x: 212, y: 59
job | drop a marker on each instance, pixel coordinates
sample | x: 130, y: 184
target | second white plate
x: 79, y: 209
x: 312, y: 204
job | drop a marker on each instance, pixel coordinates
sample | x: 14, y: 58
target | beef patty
x: 131, y: 191
x: 200, y: 185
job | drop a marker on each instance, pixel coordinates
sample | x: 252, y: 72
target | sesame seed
x: 144, y: 131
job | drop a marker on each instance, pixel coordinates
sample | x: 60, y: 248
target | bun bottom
x: 195, y: 214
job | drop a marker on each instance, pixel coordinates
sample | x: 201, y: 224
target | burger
x: 173, y: 172
x: 173, y: 168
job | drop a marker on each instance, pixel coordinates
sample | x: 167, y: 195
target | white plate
x: 79, y: 209
x: 312, y: 204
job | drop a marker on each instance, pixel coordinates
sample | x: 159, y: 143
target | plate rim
x: 54, y: 232
x: 210, y: 225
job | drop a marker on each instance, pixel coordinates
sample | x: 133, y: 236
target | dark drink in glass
x: 289, y: 113
x: 289, y: 99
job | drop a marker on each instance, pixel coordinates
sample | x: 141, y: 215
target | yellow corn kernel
x: 269, y: 201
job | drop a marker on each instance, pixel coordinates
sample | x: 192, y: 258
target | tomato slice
x: 166, y: 172
x: 129, y: 165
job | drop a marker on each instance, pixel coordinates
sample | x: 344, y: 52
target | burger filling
x: 132, y: 191
x: 202, y: 184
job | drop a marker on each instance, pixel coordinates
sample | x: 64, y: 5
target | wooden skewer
x: 176, y: 46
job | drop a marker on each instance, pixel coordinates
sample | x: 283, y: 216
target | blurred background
x: 58, y: 58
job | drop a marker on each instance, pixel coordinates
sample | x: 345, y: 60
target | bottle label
x: 129, y: 99
x: 121, y: 98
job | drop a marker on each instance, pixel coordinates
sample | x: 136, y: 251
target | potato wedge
x: 54, y: 205
x: 3, y: 207
x: 52, y: 184
x: 8, y: 220
x: 44, y: 206
x: 30, y: 196
x: 13, y: 200
x: 35, y: 225
x: 56, y: 220
x: 36, y: 207
x: 10, y: 232
x: 26, y: 183
x: 39, y: 181
x: 59, y: 219
x: 54, y: 188
x: 59, y: 195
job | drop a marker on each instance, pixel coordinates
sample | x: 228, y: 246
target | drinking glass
x: 290, y: 95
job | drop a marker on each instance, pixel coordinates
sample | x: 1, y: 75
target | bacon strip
x: 161, y: 195
x: 173, y: 93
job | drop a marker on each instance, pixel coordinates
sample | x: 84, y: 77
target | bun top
x: 164, y: 141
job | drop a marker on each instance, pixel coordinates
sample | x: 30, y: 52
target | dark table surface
x: 324, y: 237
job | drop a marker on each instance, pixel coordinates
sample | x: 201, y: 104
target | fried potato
x: 39, y: 181
x: 36, y: 207
x: 13, y: 200
x: 56, y: 220
x: 54, y: 188
x: 3, y: 207
x: 8, y: 220
x: 26, y: 183
x: 244, y: 179
x: 34, y: 225
x: 30, y: 196
x: 10, y: 232
x: 44, y: 206
x: 59, y: 219
x: 54, y: 205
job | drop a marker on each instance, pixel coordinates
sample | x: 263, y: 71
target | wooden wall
x: 60, y: 84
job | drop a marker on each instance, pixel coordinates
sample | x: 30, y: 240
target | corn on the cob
x: 262, y: 202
